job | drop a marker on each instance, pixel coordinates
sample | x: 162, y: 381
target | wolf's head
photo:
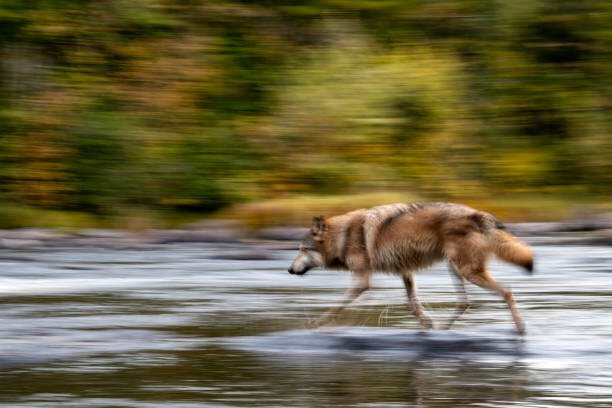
x: 310, y: 255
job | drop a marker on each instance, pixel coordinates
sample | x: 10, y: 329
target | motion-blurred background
x: 145, y: 113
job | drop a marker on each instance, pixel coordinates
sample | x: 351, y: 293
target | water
x: 175, y: 327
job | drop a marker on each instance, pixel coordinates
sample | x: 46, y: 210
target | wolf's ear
x: 318, y: 227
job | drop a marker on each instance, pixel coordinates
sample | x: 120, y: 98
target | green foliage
x: 192, y: 106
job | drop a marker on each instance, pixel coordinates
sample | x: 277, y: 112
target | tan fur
x: 510, y: 249
x: 403, y: 238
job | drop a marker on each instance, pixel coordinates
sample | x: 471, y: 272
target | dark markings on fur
x: 389, y: 220
x: 335, y: 263
x: 478, y: 218
x: 413, y: 207
x: 354, y: 240
x: 309, y: 242
x: 529, y: 266
x: 347, y: 237
x: 361, y: 240
x: 486, y: 222
x: 438, y: 219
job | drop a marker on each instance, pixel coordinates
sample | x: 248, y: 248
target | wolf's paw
x: 316, y: 323
x: 312, y: 323
x: 320, y: 321
x: 426, y: 323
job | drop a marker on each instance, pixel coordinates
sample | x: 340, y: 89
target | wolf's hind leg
x: 413, y: 301
x: 463, y: 303
x: 360, y: 285
x: 484, y: 280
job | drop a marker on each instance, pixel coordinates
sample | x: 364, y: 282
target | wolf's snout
x: 296, y: 272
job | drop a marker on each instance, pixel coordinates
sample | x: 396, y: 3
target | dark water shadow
x: 384, y: 343
x: 53, y: 345
x: 383, y: 367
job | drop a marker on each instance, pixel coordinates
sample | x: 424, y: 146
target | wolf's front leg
x: 463, y: 303
x: 360, y: 284
x: 424, y: 320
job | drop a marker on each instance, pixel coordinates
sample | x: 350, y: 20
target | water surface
x: 178, y: 327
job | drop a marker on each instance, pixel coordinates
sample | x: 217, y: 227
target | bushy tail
x: 508, y: 248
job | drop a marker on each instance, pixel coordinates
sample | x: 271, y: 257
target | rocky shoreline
x: 596, y: 230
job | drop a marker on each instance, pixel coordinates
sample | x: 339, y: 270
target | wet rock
x: 602, y: 237
x: 10, y: 243
x: 282, y: 233
x: 534, y: 228
x: 274, y: 245
x: 124, y: 242
x: 212, y: 235
x: 214, y: 225
x: 593, y: 230
x: 243, y: 255
x: 77, y: 267
x: 593, y: 223
x: 102, y: 233
x: 208, y: 231
x: 17, y: 258
x: 31, y: 234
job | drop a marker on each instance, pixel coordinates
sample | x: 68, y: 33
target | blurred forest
x: 114, y: 106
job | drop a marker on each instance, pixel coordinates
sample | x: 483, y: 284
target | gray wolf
x: 401, y: 239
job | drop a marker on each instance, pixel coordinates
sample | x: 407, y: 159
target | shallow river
x: 175, y: 327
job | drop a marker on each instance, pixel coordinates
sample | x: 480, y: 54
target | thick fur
x: 508, y: 248
x: 403, y: 238
x: 399, y: 237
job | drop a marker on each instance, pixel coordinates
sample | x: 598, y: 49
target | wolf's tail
x: 509, y: 248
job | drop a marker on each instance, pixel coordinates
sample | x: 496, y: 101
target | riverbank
x: 246, y: 243
x: 298, y: 210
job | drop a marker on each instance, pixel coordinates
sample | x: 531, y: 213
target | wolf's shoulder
x: 386, y: 212
x: 403, y: 208
x: 382, y: 213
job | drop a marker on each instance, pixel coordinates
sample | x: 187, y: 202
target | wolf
x: 401, y: 239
